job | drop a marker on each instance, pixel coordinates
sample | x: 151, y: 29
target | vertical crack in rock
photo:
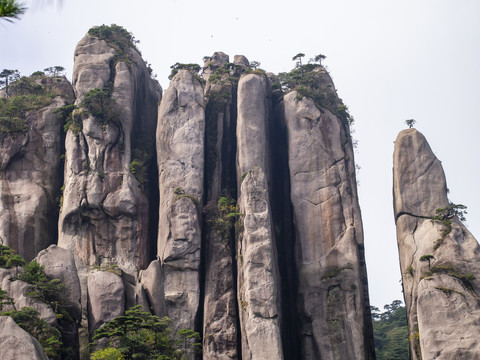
x: 439, y: 294
x: 180, y: 156
x: 220, y: 326
x: 329, y: 234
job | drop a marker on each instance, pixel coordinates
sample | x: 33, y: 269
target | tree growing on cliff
x: 410, y: 123
x: 55, y: 70
x: 9, y: 76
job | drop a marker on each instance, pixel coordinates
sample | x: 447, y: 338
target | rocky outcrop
x: 110, y: 172
x: 59, y: 263
x: 16, y: 343
x: 30, y: 177
x: 439, y: 259
x: 258, y: 279
x: 151, y: 280
x: 219, y: 309
x: 332, y: 294
x: 180, y: 154
x: 18, y: 290
x: 106, y: 298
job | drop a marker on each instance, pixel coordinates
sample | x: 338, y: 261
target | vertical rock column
x: 219, y: 309
x: 180, y: 154
x: 104, y: 217
x: 332, y: 297
x: 30, y: 177
x: 439, y: 259
x: 258, y: 281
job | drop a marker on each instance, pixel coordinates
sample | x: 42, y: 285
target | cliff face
x: 105, y: 212
x: 227, y: 206
x: 439, y: 258
x: 328, y: 230
x: 30, y: 171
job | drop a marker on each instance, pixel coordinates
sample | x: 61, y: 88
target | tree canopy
x: 390, y: 331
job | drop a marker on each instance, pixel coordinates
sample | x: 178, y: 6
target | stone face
x: 30, y: 179
x: 440, y: 294
x: 180, y: 155
x: 16, y: 343
x: 60, y: 264
x: 105, y: 212
x: 106, y: 298
x: 332, y: 298
x: 258, y: 279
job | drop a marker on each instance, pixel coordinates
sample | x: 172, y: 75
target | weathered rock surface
x: 106, y: 298
x: 105, y: 212
x: 60, y: 264
x: 332, y: 294
x: 258, y: 279
x: 30, y: 179
x: 18, y: 290
x: 258, y: 282
x: 441, y: 295
x: 151, y: 280
x: 16, y: 343
x: 219, y: 309
x: 180, y: 155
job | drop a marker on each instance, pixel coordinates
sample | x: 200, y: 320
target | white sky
x: 390, y: 61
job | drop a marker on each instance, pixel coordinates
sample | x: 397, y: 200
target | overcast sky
x: 390, y: 61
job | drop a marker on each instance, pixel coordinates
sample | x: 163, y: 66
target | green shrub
x: 119, y: 39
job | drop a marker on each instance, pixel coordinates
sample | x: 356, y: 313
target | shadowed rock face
x: 441, y: 295
x: 105, y: 212
x: 332, y: 294
x: 30, y: 178
x: 219, y: 309
x: 180, y: 154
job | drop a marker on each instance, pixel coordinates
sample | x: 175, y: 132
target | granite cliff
x: 439, y: 257
x: 229, y: 204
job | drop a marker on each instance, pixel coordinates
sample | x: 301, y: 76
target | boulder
x: 106, y: 298
x: 60, y: 264
x: 16, y: 343
x: 18, y: 290
x: 151, y: 280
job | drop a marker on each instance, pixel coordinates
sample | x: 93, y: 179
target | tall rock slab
x: 219, y: 303
x: 110, y: 176
x: 180, y: 154
x: 258, y: 279
x: 332, y: 294
x: 439, y: 259
x: 30, y: 169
